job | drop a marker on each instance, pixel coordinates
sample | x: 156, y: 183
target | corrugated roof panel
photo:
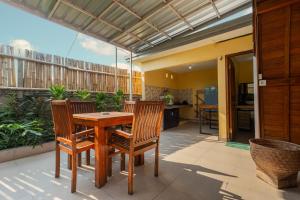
x: 129, y: 31
x: 45, y: 6
x: 163, y: 18
x: 142, y: 6
x: 32, y: 3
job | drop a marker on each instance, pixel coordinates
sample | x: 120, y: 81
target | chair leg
x: 74, y: 172
x: 88, y: 157
x: 130, y: 173
x: 69, y: 162
x: 156, y: 160
x: 79, y: 160
x: 57, y: 160
x: 122, y: 166
x: 109, y: 166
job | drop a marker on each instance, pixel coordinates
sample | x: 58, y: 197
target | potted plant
x: 168, y: 98
x: 58, y: 92
x: 83, y: 95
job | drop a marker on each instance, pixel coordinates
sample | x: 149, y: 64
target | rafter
x: 191, y: 13
x: 181, y: 17
x: 141, y: 18
x: 53, y: 9
x: 127, y: 9
x: 99, y: 16
x: 105, y: 22
x: 215, y: 8
x: 145, y: 18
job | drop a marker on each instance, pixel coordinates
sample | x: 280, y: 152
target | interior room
x: 186, y: 88
x: 242, y: 97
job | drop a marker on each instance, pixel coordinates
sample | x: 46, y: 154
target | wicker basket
x: 277, y: 162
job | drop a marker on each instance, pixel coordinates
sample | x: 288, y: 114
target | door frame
x: 229, y: 134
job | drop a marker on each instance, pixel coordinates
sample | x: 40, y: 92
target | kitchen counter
x: 178, y: 106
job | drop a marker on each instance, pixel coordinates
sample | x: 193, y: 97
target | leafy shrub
x: 27, y: 120
x: 106, y: 102
x: 58, y: 92
x: 83, y: 95
x: 20, y: 134
x: 101, y: 101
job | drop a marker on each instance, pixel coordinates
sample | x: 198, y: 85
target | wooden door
x: 231, y: 97
x: 295, y: 74
x: 278, y: 52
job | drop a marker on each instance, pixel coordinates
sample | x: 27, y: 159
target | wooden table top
x: 101, y: 115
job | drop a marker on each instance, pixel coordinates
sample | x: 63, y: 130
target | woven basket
x: 277, y: 162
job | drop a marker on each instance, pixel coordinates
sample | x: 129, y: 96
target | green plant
x: 118, y: 100
x: 106, y: 102
x: 58, y: 92
x: 20, y: 134
x: 101, y: 101
x: 168, y: 98
x: 83, y: 95
x: 25, y: 112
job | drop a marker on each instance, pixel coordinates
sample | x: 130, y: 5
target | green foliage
x: 83, y: 95
x: 168, y: 98
x: 19, y: 134
x: 58, y: 92
x: 107, y: 102
x: 27, y: 120
x: 118, y: 100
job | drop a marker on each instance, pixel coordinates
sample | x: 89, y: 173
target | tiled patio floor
x: 192, y: 166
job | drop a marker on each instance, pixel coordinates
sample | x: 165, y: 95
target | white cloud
x: 99, y: 47
x: 21, y: 44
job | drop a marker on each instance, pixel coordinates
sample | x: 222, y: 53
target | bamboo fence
x: 31, y: 69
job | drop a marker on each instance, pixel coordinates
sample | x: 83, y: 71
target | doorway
x: 240, y: 97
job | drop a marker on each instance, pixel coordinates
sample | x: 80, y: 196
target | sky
x: 24, y: 30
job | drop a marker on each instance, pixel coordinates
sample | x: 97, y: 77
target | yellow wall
x: 200, y: 54
x: 205, y: 53
x: 158, y: 78
x: 244, y: 72
x: 196, y: 80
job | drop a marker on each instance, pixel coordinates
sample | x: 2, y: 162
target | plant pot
x: 25, y: 151
x: 277, y: 162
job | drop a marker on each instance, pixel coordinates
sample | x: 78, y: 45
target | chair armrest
x: 123, y: 134
x: 84, y: 133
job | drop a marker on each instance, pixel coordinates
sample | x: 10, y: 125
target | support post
x: 130, y: 78
x: 116, y: 70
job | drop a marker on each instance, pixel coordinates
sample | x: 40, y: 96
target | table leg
x: 139, y: 160
x: 100, y: 157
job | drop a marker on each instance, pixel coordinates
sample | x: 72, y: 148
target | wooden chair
x: 67, y: 139
x: 129, y: 106
x: 144, y: 135
x: 78, y: 107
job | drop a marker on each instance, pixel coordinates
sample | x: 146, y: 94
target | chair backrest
x: 62, y: 118
x: 147, y: 121
x: 78, y: 107
x: 129, y: 106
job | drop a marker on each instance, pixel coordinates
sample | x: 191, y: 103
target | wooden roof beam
x: 51, y: 13
x: 181, y: 17
x: 215, y: 8
x: 145, y: 18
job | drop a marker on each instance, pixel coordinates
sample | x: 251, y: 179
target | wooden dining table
x: 101, y: 122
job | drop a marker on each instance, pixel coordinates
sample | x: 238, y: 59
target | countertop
x: 178, y: 106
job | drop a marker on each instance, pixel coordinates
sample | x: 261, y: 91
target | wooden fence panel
x: 38, y: 70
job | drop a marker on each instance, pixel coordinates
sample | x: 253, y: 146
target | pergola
x: 143, y: 26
